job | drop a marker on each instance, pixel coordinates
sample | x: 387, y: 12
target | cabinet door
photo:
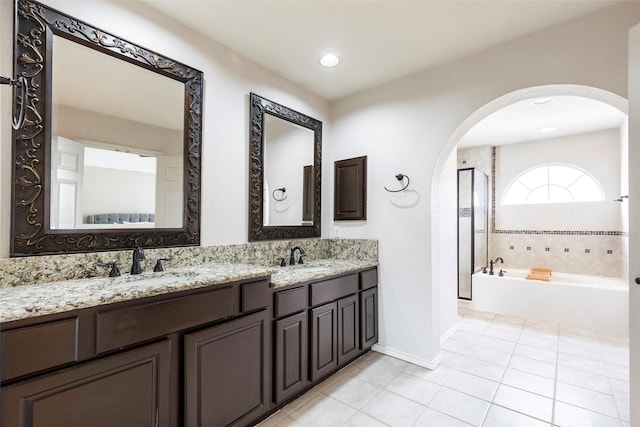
x: 291, y: 363
x: 324, y: 340
x: 226, y: 373
x: 369, y: 318
x: 348, y: 331
x: 128, y: 389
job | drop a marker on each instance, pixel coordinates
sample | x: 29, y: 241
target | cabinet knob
x: 638, y: 280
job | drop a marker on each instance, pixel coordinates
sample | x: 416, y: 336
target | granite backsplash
x: 51, y: 268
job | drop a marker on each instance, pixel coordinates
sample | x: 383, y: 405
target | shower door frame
x: 473, y: 226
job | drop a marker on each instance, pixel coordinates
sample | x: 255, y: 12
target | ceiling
x: 523, y: 120
x: 378, y: 41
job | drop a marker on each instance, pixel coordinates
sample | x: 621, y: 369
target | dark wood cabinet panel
x: 227, y: 372
x: 332, y: 289
x: 368, y: 278
x: 254, y: 295
x: 120, y: 327
x: 290, y: 301
x: 350, y: 189
x: 128, y: 389
x: 324, y: 340
x: 291, y: 360
x: 369, y: 317
x: 21, y: 349
x: 348, y: 329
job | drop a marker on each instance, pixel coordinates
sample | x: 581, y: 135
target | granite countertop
x: 23, y: 302
x: 314, y: 270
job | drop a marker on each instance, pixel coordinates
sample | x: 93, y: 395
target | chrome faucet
x: 138, y: 255
x: 292, y: 258
x: 494, y: 262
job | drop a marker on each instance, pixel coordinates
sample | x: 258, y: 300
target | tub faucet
x: 292, y: 258
x: 494, y: 262
x: 138, y: 255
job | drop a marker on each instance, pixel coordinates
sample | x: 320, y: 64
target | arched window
x: 553, y: 183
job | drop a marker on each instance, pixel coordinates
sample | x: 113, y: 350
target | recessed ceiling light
x: 543, y: 101
x: 330, y: 60
x: 548, y: 129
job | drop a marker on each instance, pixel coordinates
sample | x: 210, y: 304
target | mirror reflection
x: 116, y: 143
x: 288, y: 163
x: 285, y: 168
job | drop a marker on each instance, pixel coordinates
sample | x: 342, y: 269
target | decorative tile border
x: 562, y: 232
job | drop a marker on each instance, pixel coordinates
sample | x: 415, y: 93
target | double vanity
x: 224, y: 336
x: 215, y: 344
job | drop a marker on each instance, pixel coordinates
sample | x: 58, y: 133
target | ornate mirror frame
x: 258, y: 107
x: 31, y: 235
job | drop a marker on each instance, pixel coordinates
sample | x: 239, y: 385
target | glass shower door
x: 473, y: 220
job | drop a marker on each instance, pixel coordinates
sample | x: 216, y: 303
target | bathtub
x: 592, y: 302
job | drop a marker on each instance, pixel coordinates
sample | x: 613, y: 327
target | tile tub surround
x: 54, y: 268
x: 591, y: 253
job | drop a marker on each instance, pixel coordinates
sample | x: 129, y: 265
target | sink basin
x: 161, y: 280
x: 317, y: 269
x: 308, y: 268
x: 154, y: 279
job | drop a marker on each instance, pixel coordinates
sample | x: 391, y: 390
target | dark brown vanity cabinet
x: 368, y: 308
x: 127, y: 389
x: 320, y: 327
x: 324, y: 340
x: 193, y: 358
x: 227, y: 372
x: 291, y: 360
x: 291, y: 342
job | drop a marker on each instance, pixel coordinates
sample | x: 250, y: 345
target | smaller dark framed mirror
x: 285, y: 169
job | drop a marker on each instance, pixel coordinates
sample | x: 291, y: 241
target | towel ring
x: 400, y: 177
x: 23, y: 84
x: 282, y: 197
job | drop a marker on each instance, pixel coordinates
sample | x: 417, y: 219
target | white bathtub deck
x: 596, y: 303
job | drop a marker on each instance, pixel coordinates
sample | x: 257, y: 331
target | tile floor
x: 497, y: 371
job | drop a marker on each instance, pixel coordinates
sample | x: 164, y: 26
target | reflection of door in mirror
x: 112, y: 105
x: 67, y: 176
x: 288, y: 148
x: 307, y: 194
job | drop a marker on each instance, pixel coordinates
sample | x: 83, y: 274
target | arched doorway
x: 442, y: 224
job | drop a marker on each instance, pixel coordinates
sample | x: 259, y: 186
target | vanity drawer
x: 35, y: 348
x: 290, y: 301
x: 125, y: 326
x: 369, y: 278
x: 332, y: 289
x: 254, y: 295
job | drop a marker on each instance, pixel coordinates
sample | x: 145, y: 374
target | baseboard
x: 449, y: 333
x: 425, y: 363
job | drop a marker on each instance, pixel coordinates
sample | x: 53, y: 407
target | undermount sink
x: 309, y: 268
x: 154, y: 280
x: 316, y: 269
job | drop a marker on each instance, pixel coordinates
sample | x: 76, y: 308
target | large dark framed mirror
x: 110, y: 153
x: 285, y: 149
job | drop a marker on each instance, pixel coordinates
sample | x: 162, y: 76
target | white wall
x: 228, y: 80
x: 288, y: 149
x: 117, y: 191
x: 634, y: 220
x: 597, y: 153
x: 407, y: 126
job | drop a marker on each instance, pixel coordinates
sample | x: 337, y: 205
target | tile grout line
x: 555, y: 380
